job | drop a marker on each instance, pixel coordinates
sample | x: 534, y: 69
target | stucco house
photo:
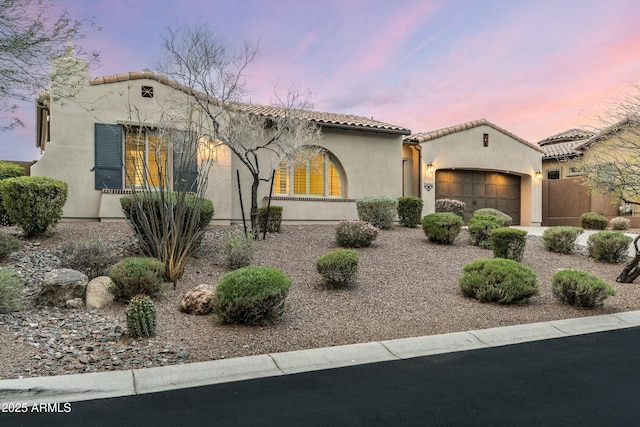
x: 481, y: 164
x: 565, y: 196
x: 85, y: 142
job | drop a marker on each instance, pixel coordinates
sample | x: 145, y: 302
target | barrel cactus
x: 141, y: 316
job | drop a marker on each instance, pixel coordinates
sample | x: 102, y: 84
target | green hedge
x: 498, y: 280
x: 442, y: 227
x: 410, y: 210
x: 561, y: 239
x: 380, y: 211
x: 480, y: 227
x: 508, y: 243
x: 506, y: 219
x: 137, y: 275
x: 338, y: 267
x: 34, y: 203
x: 593, y: 221
x: 274, y: 222
x: 8, y: 170
x: 608, y: 246
x: 580, y: 289
x: 251, y: 295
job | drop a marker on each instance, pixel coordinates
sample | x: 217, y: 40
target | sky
x: 534, y: 68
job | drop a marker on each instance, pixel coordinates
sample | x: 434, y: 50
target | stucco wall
x: 372, y: 162
x: 465, y: 150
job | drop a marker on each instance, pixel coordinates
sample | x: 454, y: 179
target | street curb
x: 100, y: 385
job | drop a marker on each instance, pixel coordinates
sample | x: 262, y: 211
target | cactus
x: 141, y: 316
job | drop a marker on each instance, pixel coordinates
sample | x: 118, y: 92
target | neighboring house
x: 87, y: 142
x: 565, y: 198
x: 480, y: 164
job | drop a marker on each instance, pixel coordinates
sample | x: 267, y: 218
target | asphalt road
x: 585, y: 380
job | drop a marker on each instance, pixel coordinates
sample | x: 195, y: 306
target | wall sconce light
x: 538, y: 175
x: 429, y: 170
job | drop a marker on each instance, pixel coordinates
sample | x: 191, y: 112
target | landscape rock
x: 75, y: 303
x: 98, y: 294
x: 198, y: 300
x: 61, y: 285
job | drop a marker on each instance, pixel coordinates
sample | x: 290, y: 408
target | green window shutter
x: 108, y: 160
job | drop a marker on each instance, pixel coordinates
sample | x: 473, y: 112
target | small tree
x: 31, y: 33
x: 262, y: 138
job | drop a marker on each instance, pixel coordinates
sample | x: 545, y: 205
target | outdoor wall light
x: 430, y: 168
x: 538, y: 175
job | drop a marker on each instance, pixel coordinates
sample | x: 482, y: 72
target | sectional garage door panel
x: 480, y: 189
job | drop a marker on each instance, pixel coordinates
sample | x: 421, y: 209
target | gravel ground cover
x: 406, y: 287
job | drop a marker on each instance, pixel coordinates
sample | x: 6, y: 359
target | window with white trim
x: 313, y: 174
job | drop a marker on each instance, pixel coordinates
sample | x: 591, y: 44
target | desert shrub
x: 141, y: 316
x: 480, y: 228
x: 8, y: 170
x: 151, y: 207
x: 619, y: 223
x: 561, y: 239
x: 449, y: 205
x: 34, y: 203
x: 338, y: 267
x: 580, y: 289
x: 137, y: 275
x: 608, y: 246
x: 508, y: 243
x: 355, y: 234
x: 8, y: 244
x: 442, y: 227
x: 498, y: 280
x: 91, y: 257
x: 273, y: 222
x: 506, y: 219
x: 410, y: 210
x: 251, y: 295
x: 11, y: 288
x: 239, y: 250
x: 380, y: 211
x: 593, y: 221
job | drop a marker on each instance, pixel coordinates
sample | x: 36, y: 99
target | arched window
x: 312, y: 174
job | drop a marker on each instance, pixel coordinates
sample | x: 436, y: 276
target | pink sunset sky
x: 535, y: 68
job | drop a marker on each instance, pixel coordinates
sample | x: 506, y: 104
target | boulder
x: 198, y: 300
x: 98, y: 293
x: 60, y: 286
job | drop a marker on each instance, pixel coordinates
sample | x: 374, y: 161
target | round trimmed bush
x: 137, y: 275
x: 442, y: 227
x: 580, y: 289
x: 409, y: 210
x: 34, y: 202
x: 8, y: 170
x: 480, y: 227
x: 506, y: 219
x: 498, y: 280
x: 239, y: 250
x: 619, y: 223
x: 338, y: 267
x: 355, y: 234
x: 274, y: 222
x: 508, y: 243
x: 593, y: 221
x: 251, y: 295
x: 380, y: 211
x: 457, y: 207
x: 608, y: 246
x: 561, y: 239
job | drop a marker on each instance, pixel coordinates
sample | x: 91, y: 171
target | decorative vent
x: 147, y: 91
x: 485, y: 140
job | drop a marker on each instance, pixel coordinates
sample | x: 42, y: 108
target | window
x: 553, y: 174
x: 313, y: 174
x: 145, y: 158
x: 128, y: 157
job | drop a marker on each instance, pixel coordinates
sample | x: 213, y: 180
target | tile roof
x: 323, y: 119
x: 422, y: 137
x: 567, y: 135
x: 561, y: 149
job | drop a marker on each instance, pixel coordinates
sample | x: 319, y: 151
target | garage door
x: 480, y: 189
